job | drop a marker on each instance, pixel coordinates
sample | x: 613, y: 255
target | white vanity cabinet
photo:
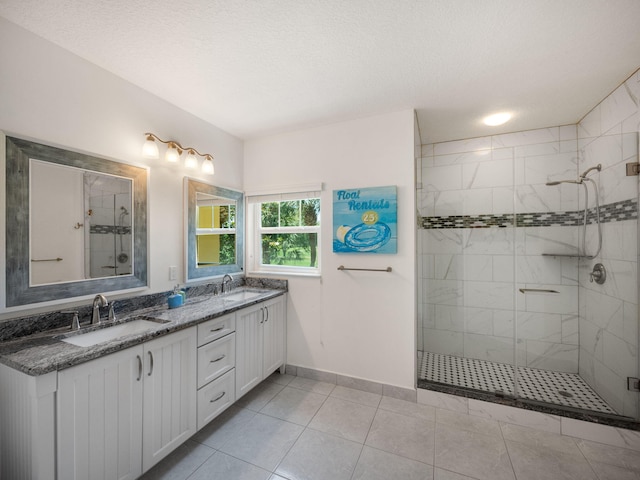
x: 116, y: 416
x: 120, y: 414
x: 260, y: 342
x: 216, y: 367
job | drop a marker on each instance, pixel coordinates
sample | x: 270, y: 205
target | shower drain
x: 565, y: 394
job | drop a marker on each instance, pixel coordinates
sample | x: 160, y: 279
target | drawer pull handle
x: 217, y: 359
x: 218, y: 397
x: 217, y: 329
x: 139, y: 368
x: 150, y: 363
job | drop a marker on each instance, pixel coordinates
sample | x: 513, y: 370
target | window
x: 286, y: 232
x: 215, y: 231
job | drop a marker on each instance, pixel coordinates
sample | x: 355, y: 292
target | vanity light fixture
x: 174, y: 151
x: 497, y: 119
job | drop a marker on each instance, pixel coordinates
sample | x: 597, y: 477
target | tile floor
x: 295, y: 428
x: 557, y: 388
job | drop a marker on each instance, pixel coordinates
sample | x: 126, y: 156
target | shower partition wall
x: 497, y: 314
x: 108, y: 240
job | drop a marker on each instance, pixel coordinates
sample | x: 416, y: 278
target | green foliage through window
x: 290, y: 232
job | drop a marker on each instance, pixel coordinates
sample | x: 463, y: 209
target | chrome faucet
x: 98, y: 301
x: 225, y: 280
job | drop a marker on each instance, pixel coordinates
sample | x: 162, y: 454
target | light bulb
x: 191, y: 161
x: 150, y: 148
x: 207, y: 166
x: 172, y: 155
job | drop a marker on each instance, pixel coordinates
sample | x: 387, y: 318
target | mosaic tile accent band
x: 612, y: 212
x: 105, y: 229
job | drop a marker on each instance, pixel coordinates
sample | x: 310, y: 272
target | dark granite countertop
x: 45, y: 352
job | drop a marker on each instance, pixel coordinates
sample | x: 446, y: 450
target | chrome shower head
x: 597, y: 167
x: 558, y: 182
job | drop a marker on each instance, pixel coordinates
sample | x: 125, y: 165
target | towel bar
x: 388, y: 269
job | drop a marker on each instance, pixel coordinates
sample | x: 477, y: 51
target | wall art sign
x: 365, y: 220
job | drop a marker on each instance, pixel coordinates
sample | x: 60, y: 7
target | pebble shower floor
x: 558, y: 388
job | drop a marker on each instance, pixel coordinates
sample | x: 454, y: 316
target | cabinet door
x: 249, y: 348
x: 100, y: 418
x: 274, y: 335
x: 169, y: 394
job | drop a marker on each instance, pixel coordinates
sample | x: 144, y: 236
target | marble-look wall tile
x: 591, y: 344
x: 590, y: 126
x: 489, y: 241
x: 503, y: 268
x: 458, y: 146
x: 427, y: 149
x: 504, y: 201
x: 464, y: 319
x: 488, y: 295
x: 539, y: 240
x: 609, y: 385
x: 540, y: 326
x: 442, y: 178
x: 619, y: 240
x: 570, y: 329
x: 462, y: 158
x: 538, y: 198
x: 619, y: 105
x: 442, y: 241
x: 552, y: 356
x: 444, y: 292
x: 542, y: 135
x: 538, y: 269
x: 564, y: 302
x: 490, y: 348
x: 620, y: 356
x: 546, y: 168
x: 603, y: 310
x: 494, y: 173
x: 568, y: 133
x: 444, y: 342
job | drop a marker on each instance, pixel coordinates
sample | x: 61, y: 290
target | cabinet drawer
x: 216, y: 328
x: 216, y: 358
x: 215, y: 397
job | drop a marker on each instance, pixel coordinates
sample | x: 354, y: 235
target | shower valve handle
x: 599, y: 274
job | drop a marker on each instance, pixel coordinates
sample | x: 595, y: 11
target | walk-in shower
x: 511, y: 302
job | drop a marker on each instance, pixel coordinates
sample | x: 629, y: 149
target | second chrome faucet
x: 98, y: 301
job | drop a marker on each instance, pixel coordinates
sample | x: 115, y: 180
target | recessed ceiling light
x: 497, y: 119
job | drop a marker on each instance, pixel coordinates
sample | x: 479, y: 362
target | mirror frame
x: 18, y: 288
x: 193, y: 272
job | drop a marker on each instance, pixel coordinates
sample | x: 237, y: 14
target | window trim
x: 255, y: 232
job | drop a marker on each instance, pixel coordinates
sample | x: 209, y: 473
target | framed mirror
x: 214, y: 218
x: 76, y: 224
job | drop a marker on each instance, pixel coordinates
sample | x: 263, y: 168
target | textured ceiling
x: 257, y: 67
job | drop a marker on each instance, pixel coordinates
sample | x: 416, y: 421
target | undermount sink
x: 107, y: 334
x: 241, y: 296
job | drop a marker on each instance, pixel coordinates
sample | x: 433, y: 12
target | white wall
x: 52, y: 96
x: 360, y: 324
